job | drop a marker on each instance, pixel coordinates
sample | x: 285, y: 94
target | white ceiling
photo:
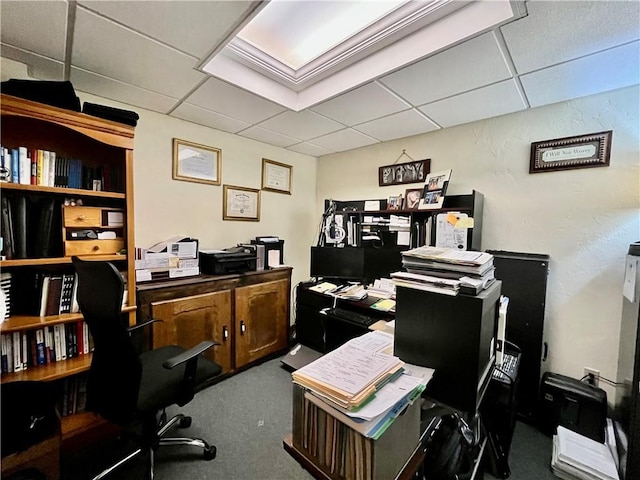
x: 148, y: 54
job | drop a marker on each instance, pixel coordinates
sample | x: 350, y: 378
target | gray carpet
x: 247, y: 416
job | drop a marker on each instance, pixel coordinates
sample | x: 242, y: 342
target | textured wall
x: 584, y: 219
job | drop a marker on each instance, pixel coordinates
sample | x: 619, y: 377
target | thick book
x: 53, y: 295
x: 66, y: 293
x: 20, y: 218
x: 8, y: 248
x: 46, y: 226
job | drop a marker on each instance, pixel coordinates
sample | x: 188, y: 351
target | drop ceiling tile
x: 39, y: 67
x: 346, y: 139
x: 585, y: 76
x: 304, y: 125
x: 194, y: 27
x: 310, y: 149
x: 207, y: 118
x: 267, y: 136
x: 108, y: 49
x: 567, y: 30
x: 121, y: 92
x: 486, y: 102
x: 221, y: 97
x: 38, y: 27
x: 361, y: 105
x: 398, y: 125
x: 472, y: 64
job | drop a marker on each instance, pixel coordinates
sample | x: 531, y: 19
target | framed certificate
x: 193, y: 162
x: 276, y: 176
x: 240, y: 203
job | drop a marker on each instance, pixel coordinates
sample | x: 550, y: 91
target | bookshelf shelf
x: 24, y: 322
x: 69, y: 192
x: 53, y: 371
x: 28, y: 262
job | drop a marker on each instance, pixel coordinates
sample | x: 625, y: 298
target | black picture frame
x: 401, y: 173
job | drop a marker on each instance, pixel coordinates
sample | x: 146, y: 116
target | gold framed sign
x: 240, y: 203
x: 276, y: 176
x: 571, y: 152
x: 193, y: 162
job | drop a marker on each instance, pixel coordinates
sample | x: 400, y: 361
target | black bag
x: 28, y: 415
x: 449, y: 450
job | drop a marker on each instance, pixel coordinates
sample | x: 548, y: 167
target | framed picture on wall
x: 193, y: 162
x: 276, y: 176
x: 240, y: 203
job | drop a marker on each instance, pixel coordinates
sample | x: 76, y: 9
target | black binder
x: 20, y: 226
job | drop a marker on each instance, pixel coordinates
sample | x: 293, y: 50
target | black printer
x: 230, y: 260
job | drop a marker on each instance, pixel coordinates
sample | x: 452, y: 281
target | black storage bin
x: 573, y: 404
x: 127, y: 117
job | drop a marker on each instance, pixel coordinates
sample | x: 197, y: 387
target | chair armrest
x: 189, y: 354
x: 143, y: 324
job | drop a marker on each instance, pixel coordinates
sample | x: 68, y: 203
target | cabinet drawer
x: 93, y: 247
x: 82, y: 217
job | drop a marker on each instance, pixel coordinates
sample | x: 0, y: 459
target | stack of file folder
x: 361, y: 383
x: 446, y: 270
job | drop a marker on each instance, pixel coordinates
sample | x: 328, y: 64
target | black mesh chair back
x: 114, y: 377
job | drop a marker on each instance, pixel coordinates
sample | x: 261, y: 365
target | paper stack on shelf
x: 426, y: 282
x: 576, y: 457
x: 473, y: 270
x: 351, y: 375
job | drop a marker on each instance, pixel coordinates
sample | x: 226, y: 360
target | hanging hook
x: 404, y: 154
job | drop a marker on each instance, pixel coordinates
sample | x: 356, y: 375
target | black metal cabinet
x: 524, y: 281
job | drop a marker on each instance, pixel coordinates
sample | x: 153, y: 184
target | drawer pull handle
x: 80, y: 217
x: 96, y: 248
x: 243, y: 327
x: 225, y: 333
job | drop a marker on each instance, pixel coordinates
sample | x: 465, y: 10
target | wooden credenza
x: 248, y: 314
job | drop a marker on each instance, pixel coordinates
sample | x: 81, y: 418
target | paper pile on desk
x: 361, y: 383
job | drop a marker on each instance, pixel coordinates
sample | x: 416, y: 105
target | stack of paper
x: 426, y: 282
x: 361, y: 384
x: 576, y: 457
x: 350, y: 375
x: 474, y: 271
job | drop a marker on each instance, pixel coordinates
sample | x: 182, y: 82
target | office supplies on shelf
x: 351, y: 316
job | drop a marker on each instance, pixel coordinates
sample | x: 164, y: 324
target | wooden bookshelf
x: 98, y: 149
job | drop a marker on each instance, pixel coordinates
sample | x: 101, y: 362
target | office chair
x: 131, y: 389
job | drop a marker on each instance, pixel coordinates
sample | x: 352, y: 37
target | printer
x: 230, y: 260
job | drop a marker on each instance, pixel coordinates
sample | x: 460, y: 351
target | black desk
x: 323, y: 332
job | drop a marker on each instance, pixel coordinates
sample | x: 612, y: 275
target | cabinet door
x: 261, y: 320
x: 187, y: 321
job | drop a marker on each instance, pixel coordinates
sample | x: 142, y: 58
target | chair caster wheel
x: 210, y: 452
x: 185, y: 422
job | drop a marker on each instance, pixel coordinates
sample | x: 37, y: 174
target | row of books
x: 445, y: 270
x: 43, y: 294
x: 5, y: 286
x: 46, y: 168
x: 74, y: 395
x: 43, y: 346
x: 31, y: 228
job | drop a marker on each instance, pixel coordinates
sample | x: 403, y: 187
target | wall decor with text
x: 399, y: 173
x: 193, y: 162
x: 581, y: 151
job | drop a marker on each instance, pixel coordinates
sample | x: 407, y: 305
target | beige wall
x: 584, y: 219
x: 165, y: 207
